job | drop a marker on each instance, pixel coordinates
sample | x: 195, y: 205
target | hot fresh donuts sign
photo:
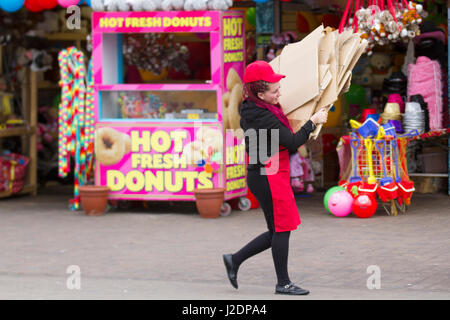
x: 158, y: 162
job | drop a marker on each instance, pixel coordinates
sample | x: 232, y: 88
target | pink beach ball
x: 340, y: 203
x: 68, y: 3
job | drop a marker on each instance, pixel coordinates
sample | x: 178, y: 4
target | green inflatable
x: 328, y: 195
x: 251, y: 16
x: 356, y: 95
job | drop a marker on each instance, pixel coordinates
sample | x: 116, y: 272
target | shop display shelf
x: 18, y: 131
x: 438, y: 175
x: 26, y: 189
x: 66, y: 36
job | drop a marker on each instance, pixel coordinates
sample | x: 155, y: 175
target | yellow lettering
x: 103, y: 23
x: 166, y: 21
x: 128, y: 22
x: 190, y: 180
x: 146, y: 160
x: 154, y: 181
x: 207, y: 22
x: 137, y: 141
x: 177, y: 137
x: 179, y: 161
x: 156, y: 143
x: 204, y: 180
x: 135, y: 181
x: 115, y: 180
x: 135, y: 160
x: 168, y: 163
x: 231, y: 44
x: 135, y: 22
x: 232, y: 27
x: 235, y: 184
x: 157, y: 161
x: 235, y: 171
x: 170, y: 185
x: 233, y: 56
x: 230, y: 155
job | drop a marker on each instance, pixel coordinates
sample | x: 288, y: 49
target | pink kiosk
x: 162, y: 138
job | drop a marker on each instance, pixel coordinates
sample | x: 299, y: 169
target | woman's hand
x: 320, y: 116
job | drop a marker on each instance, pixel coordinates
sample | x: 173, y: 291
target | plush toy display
x: 144, y: 5
x: 379, y: 69
x: 219, y: 4
x: 381, y: 26
x: 193, y: 5
x: 168, y: 5
x: 154, y: 5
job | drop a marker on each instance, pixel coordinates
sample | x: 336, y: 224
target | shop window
x: 158, y: 105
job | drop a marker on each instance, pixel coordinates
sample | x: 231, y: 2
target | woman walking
x: 269, y: 180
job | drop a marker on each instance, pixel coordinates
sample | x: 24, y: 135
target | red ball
x: 33, y: 5
x: 47, y: 4
x: 364, y: 206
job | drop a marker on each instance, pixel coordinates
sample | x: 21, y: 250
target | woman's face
x: 272, y: 94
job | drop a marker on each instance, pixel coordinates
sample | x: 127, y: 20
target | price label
x: 193, y: 116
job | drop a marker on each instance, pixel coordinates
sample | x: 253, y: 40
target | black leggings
x: 278, y: 241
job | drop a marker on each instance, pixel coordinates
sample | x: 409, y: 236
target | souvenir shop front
x: 145, y: 100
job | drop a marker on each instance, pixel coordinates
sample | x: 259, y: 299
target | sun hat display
x: 397, y: 98
x: 414, y: 117
x: 424, y: 106
x: 391, y: 112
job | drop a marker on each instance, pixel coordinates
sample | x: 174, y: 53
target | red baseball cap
x: 261, y: 70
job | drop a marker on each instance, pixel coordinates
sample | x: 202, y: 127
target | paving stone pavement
x: 170, y: 252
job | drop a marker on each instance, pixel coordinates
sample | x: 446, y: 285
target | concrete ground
x: 170, y: 252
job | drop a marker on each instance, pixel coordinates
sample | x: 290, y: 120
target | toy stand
x: 160, y: 139
x: 391, y: 158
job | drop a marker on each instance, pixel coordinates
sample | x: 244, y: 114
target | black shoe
x: 290, y: 289
x: 231, y: 270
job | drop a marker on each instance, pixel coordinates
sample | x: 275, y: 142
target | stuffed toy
x: 165, y: 5
x: 364, y: 79
x: 195, y: 5
x: 380, y: 27
x: 168, y: 5
x: 116, y: 5
x: 144, y: 5
x: 219, y: 4
x: 97, y: 5
x: 380, y: 68
x: 110, y: 5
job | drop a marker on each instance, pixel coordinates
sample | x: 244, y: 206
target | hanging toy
x: 380, y: 25
x: 75, y: 120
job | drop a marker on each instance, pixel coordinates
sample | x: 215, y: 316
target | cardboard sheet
x: 347, y: 53
x: 300, y: 116
x: 299, y: 62
x: 328, y: 47
x: 318, y: 69
x: 357, y: 55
